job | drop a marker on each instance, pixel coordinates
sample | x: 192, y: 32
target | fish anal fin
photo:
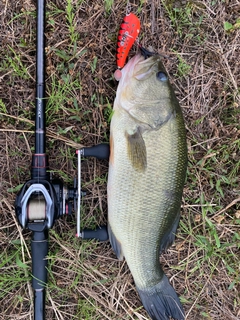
x: 116, y: 245
x: 169, y: 236
x: 136, y: 150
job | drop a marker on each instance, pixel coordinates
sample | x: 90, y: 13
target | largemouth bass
x: 147, y: 169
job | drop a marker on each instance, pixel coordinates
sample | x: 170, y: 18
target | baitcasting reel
x: 42, y: 201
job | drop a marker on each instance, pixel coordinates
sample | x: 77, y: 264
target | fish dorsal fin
x: 136, y: 150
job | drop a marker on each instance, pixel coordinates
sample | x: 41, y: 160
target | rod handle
x: 39, y: 251
x: 39, y: 304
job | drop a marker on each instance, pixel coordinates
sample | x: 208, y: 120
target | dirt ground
x: 201, y: 40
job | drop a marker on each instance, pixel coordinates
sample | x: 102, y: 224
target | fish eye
x: 161, y: 76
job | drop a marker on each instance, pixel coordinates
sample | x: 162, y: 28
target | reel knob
x: 100, y: 234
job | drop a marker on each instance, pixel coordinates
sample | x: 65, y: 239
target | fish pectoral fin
x: 116, y: 245
x: 136, y: 150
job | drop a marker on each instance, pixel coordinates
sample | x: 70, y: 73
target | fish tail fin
x: 161, y: 301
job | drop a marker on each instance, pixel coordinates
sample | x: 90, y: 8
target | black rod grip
x: 39, y: 251
x: 39, y: 304
x: 100, y: 151
x: 39, y: 248
x: 99, y: 234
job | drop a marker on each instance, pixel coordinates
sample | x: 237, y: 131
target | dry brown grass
x: 85, y: 280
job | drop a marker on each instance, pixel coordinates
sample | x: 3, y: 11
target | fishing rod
x: 42, y: 199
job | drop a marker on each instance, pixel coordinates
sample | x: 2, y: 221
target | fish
x: 146, y: 177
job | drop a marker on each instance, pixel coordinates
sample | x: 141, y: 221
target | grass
x: 181, y: 17
x: 183, y: 68
x: 108, y: 6
x: 13, y: 62
x: 85, y: 279
x: 71, y: 24
x: 15, y: 273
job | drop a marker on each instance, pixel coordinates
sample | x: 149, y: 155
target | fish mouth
x: 140, y: 66
x: 147, y: 62
x: 146, y: 53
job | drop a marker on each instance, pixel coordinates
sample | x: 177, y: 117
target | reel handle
x: 100, y: 151
x: 100, y: 234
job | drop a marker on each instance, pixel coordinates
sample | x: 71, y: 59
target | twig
x: 228, y: 206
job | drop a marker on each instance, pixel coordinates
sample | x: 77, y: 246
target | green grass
x: 62, y: 98
x: 212, y: 248
x: 229, y: 27
x: 183, y: 68
x: 3, y: 107
x: 108, y: 6
x: 70, y: 16
x: 13, y: 63
x: 14, y: 274
x: 73, y: 270
x: 181, y: 17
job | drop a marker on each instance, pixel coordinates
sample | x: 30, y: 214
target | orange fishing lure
x: 128, y: 33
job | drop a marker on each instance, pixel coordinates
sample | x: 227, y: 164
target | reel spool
x: 36, y: 209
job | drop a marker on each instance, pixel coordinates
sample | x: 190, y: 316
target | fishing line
x: 128, y: 8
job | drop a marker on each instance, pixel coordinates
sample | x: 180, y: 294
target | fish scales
x: 137, y: 198
x: 143, y: 204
